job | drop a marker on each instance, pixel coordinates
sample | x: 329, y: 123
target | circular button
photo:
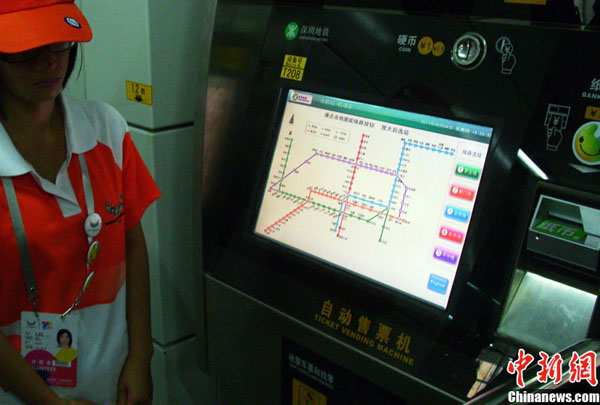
x: 469, y: 51
x: 425, y: 45
x: 438, y: 48
x: 93, y: 224
x: 92, y: 253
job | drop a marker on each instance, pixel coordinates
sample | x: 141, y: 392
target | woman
x: 64, y: 339
x: 73, y: 191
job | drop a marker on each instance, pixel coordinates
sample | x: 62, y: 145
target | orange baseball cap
x: 28, y: 24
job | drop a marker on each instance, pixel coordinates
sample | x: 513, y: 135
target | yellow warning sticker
x: 537, y: 2
x: 142, y: 93
x: 294, y: 61
x: 293, y: 67
x: 592, y: 113
x: 302, y: 394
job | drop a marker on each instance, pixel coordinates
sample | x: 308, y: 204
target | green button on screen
x: 468, y: 171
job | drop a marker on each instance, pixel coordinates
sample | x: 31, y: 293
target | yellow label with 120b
x: 293, y: 67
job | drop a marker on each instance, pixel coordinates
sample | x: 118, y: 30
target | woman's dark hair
x: 62, y: 332
x: 71, y: 64
x: 70, y: 68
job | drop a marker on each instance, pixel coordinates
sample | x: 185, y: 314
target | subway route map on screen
x: 382, y: 193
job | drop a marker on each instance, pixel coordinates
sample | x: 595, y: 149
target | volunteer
x: 72, y: 251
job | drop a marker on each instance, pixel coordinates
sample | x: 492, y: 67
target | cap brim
x: 24, y: 30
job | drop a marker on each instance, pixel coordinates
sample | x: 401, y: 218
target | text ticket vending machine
x: 395, y: 201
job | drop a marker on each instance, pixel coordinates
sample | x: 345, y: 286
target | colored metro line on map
x: 382, y: 193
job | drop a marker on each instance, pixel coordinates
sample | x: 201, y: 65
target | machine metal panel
x: 567, y: 114
x: 547, y: 315
x: 245, y: 340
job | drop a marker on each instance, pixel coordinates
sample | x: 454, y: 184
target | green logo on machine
x: 586, y: 143
x: 291, y: 31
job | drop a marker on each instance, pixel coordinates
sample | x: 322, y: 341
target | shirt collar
x: 81, y: 136
x: 79, y: 133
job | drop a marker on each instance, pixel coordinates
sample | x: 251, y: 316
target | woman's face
x: 64, y: 339
x: 35, y: 81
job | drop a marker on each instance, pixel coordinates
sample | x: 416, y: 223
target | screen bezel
x: 307, y: 267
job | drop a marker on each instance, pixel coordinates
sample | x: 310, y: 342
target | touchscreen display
x: 382, y: 193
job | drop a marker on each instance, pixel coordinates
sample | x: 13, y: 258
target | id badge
x: 49, y: 345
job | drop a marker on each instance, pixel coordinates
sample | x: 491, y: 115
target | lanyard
x: 92, y: 226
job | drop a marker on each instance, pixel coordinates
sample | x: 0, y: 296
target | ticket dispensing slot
x: 547, y: 312
x: 566, y: 231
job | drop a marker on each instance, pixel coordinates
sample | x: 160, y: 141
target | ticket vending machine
x: 395, y: 196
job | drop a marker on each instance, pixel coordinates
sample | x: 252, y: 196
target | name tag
x: 49, y: 345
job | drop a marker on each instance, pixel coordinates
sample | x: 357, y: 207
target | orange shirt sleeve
x: 139, y: 188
